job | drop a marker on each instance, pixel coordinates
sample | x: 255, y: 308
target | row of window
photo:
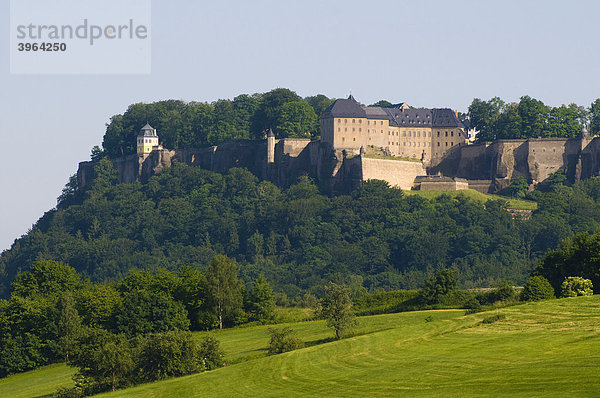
x: 360, y: 121
x: 409, y: 143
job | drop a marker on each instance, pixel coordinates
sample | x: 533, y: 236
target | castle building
x: 147, y: 140
x: 398, y: 130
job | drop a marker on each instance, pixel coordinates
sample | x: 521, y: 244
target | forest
x: 300, y: 239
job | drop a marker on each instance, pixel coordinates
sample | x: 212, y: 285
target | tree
x: 210, y: 353
x: 336, y: 309
x: 46, y: 277
x: 574, y: 286
x: 69, y: 324
x: 104, y: 360
x: 537, y: 288
x: 143, y: 311
x: 518, y: 187
x: 269, y: 108
x: 295, y: 119
x: 283, y: 340
x: 170, y: 354
x: 261, y: 302
x: 595, y: 117
x: 443, y: 283
x: 224, y: 287
x: 382, y: 103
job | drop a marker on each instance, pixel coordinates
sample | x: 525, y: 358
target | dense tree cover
x: 575, y: 257
x: 107, y: 361
x: 298, y: 238
x: 197, y: 124
x: 530, y: 118
x: 52, y: 312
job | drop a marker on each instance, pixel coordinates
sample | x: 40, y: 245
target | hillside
x: 300, y: 239
x: 539, y: 349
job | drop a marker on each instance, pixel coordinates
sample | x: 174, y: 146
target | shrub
x: 168, y: 354
x: 493, y: 318
x: 576, y: 286
x: 211, y: 354
x: 537, y: 288
x: 283, y: 340
x: 503, y: 292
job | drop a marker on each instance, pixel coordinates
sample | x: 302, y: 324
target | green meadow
x: 549, y: 348
x: 478, y: 196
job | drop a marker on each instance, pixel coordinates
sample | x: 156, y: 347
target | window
x: 339, y: 129
x: 409, y: 133
x: 360, y: 130
x: 359, y: 121
x: 438, y: 143
x: 354, y: 139
x: 353, y: 129
x: 405, y: 144
x: 353, y: 121
x: 345, y: 120
x: 404, y: 134
x: 418, y: 134
x: 343, y: 139
x: 381, y: 122
x: 418, y: 144
x: 339, y: 120
x: 452, y: 134
x: 452, y: 144
x: 345, y: 128
x: 459, y: 134
x: 446, y: 134
x: 446, y: 144
x: 438, y: 133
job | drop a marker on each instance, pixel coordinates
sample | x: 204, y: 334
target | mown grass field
x: 478, y: 196
x: 549, y: 348
x: 540, y: 349
x: 41, y: 382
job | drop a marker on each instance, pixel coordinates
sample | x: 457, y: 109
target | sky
x: 426, y: 53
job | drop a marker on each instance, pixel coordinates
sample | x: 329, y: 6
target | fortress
x: 411, y: 148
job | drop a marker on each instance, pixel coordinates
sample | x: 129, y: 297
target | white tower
x: 147, y: 140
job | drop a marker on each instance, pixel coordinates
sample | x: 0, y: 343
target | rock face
x: 292, y: 159
x: 534, y: 159
x: 488, y: 167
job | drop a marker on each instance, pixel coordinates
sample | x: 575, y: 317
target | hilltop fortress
x: 411, y: 148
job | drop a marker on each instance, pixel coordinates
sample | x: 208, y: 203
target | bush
x: 167, y: 355
x: 493, y: 318
x: 537, y: 288
x: 574, y: 286
x: 211, y: 354
x: 283, y: 340
x: 503, y: 292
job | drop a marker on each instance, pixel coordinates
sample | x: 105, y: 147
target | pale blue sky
x: 427, y: 53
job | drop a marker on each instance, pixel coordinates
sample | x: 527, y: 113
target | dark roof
x: 147, y: 131
x: 416, y: 117
x: 412, y: 117
x: 344, y: 108
x: 445, y: 117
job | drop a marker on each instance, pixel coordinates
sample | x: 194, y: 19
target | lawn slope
x: 540, y: 349
x: 478, y: 196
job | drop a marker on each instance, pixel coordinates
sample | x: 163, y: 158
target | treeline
x: 298, y: 238
x: 530, y: 118
x: 197, y: 124
x: 53, y: 312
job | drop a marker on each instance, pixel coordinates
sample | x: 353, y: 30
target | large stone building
x: 399, y: 130
x: 410, y: 148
